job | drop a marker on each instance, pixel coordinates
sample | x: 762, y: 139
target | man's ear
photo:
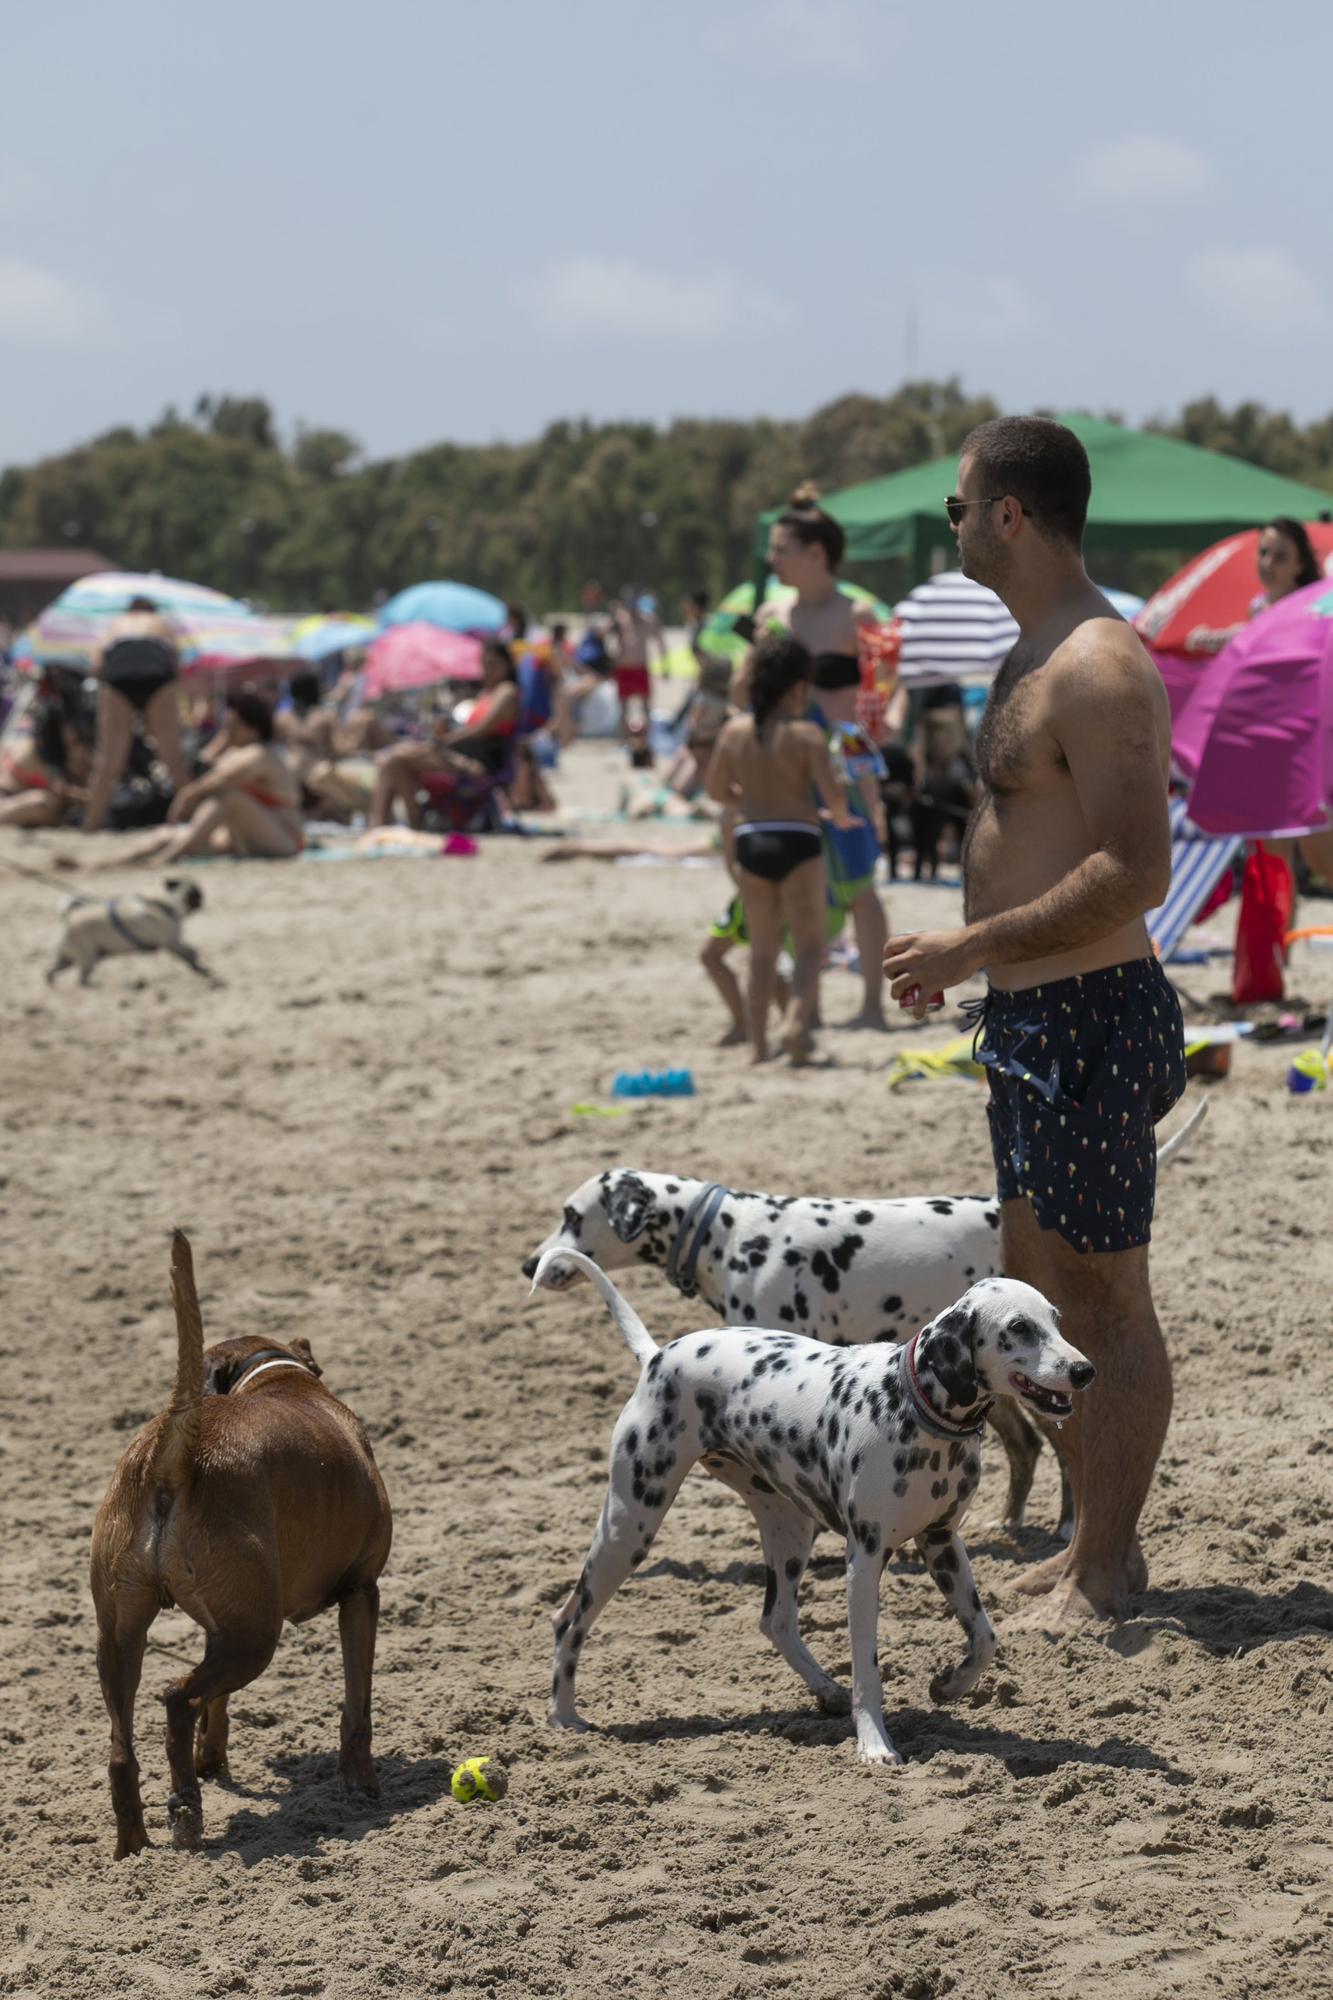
x: 629, y: 1207
x: 302, y: 1347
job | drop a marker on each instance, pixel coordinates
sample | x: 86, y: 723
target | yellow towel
x: 953, y: 1059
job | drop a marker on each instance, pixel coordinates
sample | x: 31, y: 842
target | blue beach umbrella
x: 455, y: 607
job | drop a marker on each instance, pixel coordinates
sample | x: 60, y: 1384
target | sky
x: 466, y: 219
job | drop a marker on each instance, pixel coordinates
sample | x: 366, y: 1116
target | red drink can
x: 912, y: 997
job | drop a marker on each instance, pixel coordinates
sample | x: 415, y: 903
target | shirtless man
x: 1083, y: 1044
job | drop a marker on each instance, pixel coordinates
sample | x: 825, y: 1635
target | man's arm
x: 1108, y: 726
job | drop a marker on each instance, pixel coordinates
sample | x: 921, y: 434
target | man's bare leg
x: 1111, y: 1443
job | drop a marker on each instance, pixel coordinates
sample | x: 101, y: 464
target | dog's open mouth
x: 1050, y: 1402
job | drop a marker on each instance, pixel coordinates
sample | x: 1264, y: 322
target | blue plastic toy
x: 653, y: 1083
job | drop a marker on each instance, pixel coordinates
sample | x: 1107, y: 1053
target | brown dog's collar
x: 267, y: 1357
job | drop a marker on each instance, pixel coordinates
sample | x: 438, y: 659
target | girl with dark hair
x: 482, y: 750
x: 138, y: 669
x: 248, y: 803
x: 768, y: 769
x: 805, y: 546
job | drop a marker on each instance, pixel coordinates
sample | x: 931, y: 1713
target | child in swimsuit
x: 771, y: 765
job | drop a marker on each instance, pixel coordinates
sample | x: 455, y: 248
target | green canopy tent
x: 1147, y: 493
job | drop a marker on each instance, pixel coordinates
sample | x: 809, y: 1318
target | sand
x: 365, y: 1132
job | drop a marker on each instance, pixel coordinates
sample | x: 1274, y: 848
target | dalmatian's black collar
x: 682, y: 1261
x: 924, y: 1410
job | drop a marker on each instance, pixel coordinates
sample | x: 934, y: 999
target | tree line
x: 218, y: 496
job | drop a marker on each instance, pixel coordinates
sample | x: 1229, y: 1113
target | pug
x: 92, y: 930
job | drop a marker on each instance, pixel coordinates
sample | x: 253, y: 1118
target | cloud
x: 798, y: 34
x: 1261, y: 293
x: 1141, y: 168
x: 38, y: 305
x: 614, y: 298
x: 995, y: 308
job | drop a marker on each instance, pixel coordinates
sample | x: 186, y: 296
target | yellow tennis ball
x: 479, y: 1778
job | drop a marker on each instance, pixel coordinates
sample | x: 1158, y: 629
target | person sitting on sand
x: 43, y: 770
x: 313, y: 743
x: 771, y: 765
x: 246, y: 804
x: 482, y: 749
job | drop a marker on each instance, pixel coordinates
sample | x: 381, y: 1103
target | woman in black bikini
x: 769, y: 767
x: 139, y: 669
x: 805, y: 546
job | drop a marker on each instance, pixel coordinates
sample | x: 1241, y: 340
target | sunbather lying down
x: 707, y: 847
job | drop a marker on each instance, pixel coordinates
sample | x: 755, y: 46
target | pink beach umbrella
x: 1256, y: 735
x: 419, y: 656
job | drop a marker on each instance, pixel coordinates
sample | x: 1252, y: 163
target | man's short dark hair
x: 1042, y: 464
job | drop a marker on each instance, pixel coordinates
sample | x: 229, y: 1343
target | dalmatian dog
x: 842, y: 1271
x: 881, y: 1446
x: 93, y: 930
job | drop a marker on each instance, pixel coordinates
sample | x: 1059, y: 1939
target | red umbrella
x: 1199, y: 608
x: 419, y: 656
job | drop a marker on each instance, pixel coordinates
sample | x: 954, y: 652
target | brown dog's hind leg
x: 210, y: 1747
x: 231, y: 1661
x: 122, y: 1633
x: 358, y: 1619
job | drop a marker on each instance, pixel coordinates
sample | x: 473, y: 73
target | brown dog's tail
x: 180, y: 1433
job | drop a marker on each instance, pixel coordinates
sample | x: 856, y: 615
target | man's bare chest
x: 1015, y: 748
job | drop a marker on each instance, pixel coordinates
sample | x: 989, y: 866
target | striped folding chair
x: 1198, y: 861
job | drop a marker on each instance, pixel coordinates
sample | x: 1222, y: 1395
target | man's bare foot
x: 733, y: 1038
x: 1040, y: 1577
x: 869, y: 1017
x: 1075, y: 1601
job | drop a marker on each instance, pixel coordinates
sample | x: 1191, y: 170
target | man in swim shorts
x: 1081, y: 1034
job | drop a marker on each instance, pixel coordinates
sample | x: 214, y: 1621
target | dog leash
x: 924, y: 1410
x: 699, y: 1219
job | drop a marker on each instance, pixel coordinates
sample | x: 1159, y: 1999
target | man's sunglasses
x: 956, y: 508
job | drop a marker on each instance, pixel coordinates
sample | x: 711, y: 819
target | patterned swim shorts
x: 1080, y: 1072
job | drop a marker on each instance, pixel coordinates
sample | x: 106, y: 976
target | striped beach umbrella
x: 215, y: 633
x: 955, y: 630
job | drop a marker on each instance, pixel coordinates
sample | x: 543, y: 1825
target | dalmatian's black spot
x: 892, y: 1304
x: 993, y: 1217
x: 863, y: 1216
x: 794, y: 1567
x: 900, y: 1487
x: 942, y: 1207
x: 573, y: 1222
x: 770, y: 1589
x: 802, y: 1305
x: 844, y: 1253
x: 704, y: 1350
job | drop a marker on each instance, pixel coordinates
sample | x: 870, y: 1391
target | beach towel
x: 955, y: 1058
x: 1198, y: 862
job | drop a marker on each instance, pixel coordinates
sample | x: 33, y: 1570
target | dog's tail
x: 636, y: 1335
x: 1177, y: 1139
x: 180, y: 1433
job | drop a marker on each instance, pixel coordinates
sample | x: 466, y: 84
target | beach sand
x: 364, y: 1133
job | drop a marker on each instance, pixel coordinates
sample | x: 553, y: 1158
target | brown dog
x: 254, y: 1497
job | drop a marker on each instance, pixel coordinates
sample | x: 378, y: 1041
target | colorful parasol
x: 418, y: 656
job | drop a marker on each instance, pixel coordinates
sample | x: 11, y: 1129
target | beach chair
x: 464, y: 804
x: 1198, y: 863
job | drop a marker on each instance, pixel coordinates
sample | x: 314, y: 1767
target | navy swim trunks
x: 1080, y: 1071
